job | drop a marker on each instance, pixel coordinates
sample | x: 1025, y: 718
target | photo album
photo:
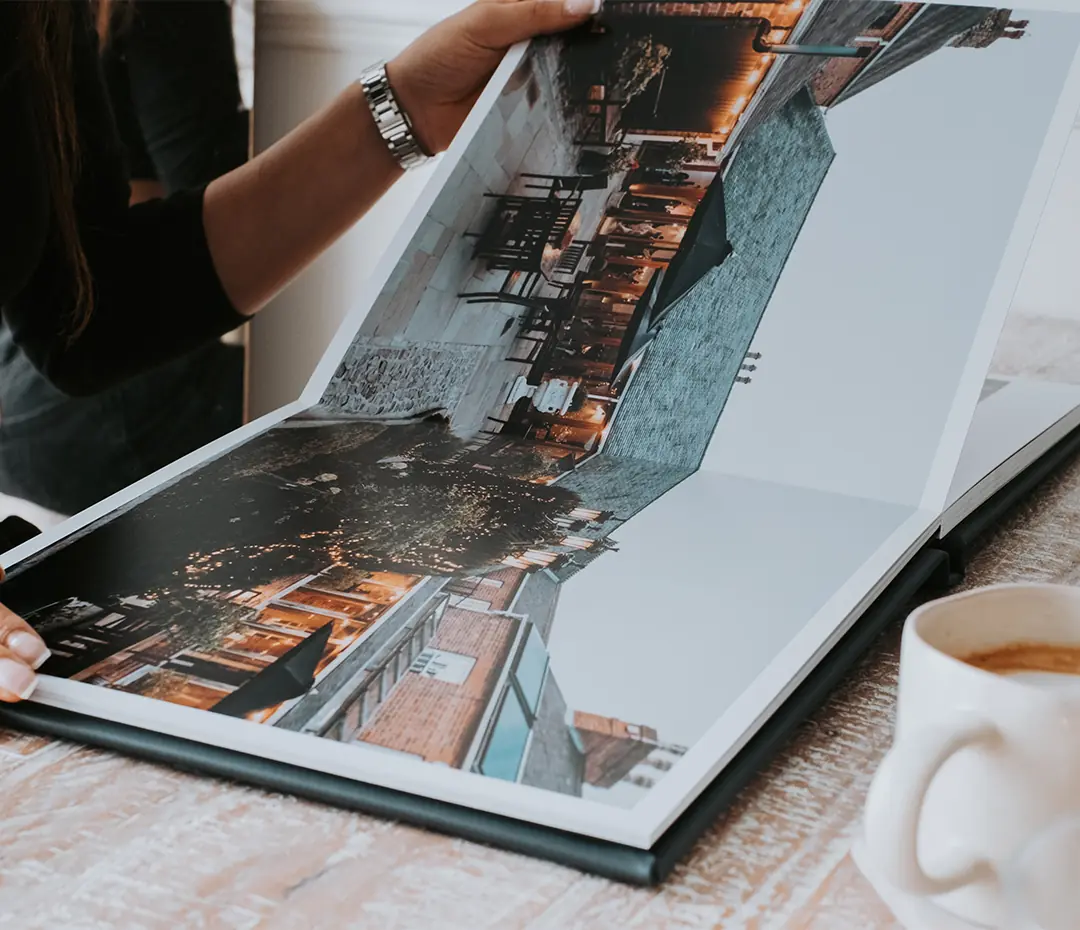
x: 665, y: 378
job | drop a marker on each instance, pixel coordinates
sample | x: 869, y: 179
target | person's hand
x: 22, y: 651
x: 438, y: 78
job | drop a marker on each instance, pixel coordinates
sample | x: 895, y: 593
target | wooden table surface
x: 92, y: 840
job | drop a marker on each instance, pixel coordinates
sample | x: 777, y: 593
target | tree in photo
x: 291, y: 445
x: 393, y: 503
x: 526, y: 461
x: 342, y: 577
x: 409, y: 516
x: 640, y: 61
x: 161, y: 684
x: 681, y: 153
x: 202, y: 624
x: 614, y: 161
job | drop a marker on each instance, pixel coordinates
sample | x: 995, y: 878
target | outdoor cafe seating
x: 556, y: 184
x: 545, y: 314
x: 601, y: 120
x: 521, y: 228
x: 520, y: 231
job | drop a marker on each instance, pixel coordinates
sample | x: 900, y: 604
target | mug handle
x: 895, y: 802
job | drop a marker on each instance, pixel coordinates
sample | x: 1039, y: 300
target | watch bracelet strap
x: 390, y: 119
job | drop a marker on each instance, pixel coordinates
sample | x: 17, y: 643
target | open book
x: 664, y: 379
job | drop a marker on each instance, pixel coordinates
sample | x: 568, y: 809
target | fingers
x: 502, y: 24
x: 19, y: 638
x: 21, y: 652
x: 17, y: 679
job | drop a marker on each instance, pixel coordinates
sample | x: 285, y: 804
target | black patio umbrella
x: 704, y: 246
x: 291, y: 676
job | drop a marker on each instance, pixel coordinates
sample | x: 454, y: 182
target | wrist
x: 371, y: 151
x: 391, y: 119
x: 411, y: 103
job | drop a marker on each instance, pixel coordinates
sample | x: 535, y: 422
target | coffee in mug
x: 986, y: 753
x: 1049, y: 663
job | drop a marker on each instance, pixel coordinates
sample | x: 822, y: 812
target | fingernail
x: 581, y: 7
x: 29, y: 647
x: 17, y: 678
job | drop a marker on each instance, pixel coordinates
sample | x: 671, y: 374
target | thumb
x: 503, y: 23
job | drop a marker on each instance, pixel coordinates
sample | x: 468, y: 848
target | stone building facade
x: 612, y: 747
x: 669, y: 410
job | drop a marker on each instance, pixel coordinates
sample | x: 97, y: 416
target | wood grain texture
x: 94, y: 841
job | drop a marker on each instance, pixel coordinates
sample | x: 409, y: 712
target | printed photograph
x: 550, y: 356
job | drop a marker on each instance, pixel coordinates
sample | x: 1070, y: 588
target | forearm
x: 267, y: 220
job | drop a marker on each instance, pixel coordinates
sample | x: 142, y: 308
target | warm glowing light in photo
x: 578, y: 542
x: 754, y: 76
x: 738, y: 105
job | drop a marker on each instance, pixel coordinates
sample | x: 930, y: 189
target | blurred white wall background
x: 305, y: 52
x: 244, y: 34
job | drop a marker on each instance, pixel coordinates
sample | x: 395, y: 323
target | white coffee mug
x: 981, y: 763
x: 1043, y: 881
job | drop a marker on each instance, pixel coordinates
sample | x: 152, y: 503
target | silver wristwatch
x: 390, y: 118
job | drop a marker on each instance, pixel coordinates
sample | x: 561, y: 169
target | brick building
x: 434, y: 706
x: 617, y: 751
x: 146, y: 647
x: 434, y: 712
x: 838, y: 73
x: 714, y: 70
x: 658, y: 762
x: 903, y: 34
x: 467, y: 683
x: 612, y: 747
x: 471, y: 697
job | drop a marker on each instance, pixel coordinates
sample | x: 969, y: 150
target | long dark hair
x: 47, y: 33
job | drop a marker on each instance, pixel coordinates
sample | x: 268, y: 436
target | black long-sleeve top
x: 157, y: 295
x: 170, y: 67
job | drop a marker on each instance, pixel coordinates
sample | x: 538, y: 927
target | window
x: 506, y: 747
x: 530, y: 669
x: 471, y: 603
x: 368, y: 701
x: 445, y: 666
x: 415, y: 644
x: 461, y: 586
x: 351, y: 721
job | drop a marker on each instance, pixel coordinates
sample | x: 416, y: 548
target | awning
x: 291, y: 676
